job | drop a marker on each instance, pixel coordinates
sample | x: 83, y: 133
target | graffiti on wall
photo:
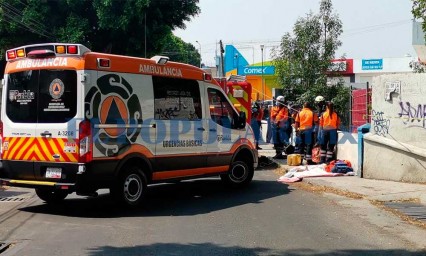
x: 413, y: 115
x: 380, y: 123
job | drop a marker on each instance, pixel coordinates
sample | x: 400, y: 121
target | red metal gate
x: 360, y: 106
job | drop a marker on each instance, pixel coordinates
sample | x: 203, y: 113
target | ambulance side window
x: 22, y: 93
x: 176, y: 99
x: 57, y: 96
x: 221, y: 110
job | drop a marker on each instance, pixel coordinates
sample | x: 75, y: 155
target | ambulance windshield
x: 42, y: 96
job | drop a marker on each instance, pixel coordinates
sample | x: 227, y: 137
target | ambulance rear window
x: 42, y: 96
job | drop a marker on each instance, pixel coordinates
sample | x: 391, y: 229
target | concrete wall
x: 347, y: 148
x: 395, y: 149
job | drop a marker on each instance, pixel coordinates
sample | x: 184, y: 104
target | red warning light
x: 104, y: 63
x: 72, y: 49
x: 11, y: 55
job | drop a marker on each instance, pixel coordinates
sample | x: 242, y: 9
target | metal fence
x: 359, y: 107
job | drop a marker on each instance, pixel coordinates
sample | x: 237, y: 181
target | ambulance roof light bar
x: 50, y: 50
x: 160, y: 60
x: 41, y: 54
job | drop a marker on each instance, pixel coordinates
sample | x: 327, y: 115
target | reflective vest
x: 306, y: 119
x: 328, y: 122
x: 278, y: 115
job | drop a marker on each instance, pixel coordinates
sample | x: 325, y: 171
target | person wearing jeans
x: 329, y: 123
x: 305, y: 121
x: 279, y: 122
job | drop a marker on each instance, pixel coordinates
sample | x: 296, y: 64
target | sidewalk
x: 370, y: 189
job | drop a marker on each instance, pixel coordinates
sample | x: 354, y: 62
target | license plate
x: 53, y: 173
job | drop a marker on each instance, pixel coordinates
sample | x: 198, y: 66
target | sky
x: 371, y: 28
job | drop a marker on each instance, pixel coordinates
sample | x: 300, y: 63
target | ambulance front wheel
x: 50, y: 195
x: 131, y: 187
x: 240, y: 174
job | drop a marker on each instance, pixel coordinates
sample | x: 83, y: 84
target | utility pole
x: 222, y: 51
x: 200, y: 51
x: 238, y: 61
x: 146, y: 10
x: 263, y: 86
x: 145, y: 31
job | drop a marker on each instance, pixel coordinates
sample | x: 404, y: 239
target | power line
x: 16, y: 16
x: 18, y: 12
x: 349, y: 32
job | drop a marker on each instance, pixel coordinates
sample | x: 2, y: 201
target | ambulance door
x: 56, y: 129
x: 222, y: 136
x: 39, y: 120
x: 179, y: 124
x: 19, y: 117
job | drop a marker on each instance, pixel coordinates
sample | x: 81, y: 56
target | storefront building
x: 263, y: 79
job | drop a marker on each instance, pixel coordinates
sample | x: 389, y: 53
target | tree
x: 419, y: 12
x: 175, y: 48
x: 303, y: 59
x: 102, y: 25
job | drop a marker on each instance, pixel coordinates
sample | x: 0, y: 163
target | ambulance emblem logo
x: 113, y: 104
x: 56, y: 88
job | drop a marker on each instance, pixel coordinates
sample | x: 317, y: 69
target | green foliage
x: 417, y: 66
x: 114, y: 26
x: 419, y: 12
x: 179, y: 51
x: 303, y: 59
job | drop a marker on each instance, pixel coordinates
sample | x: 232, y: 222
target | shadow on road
x: 172, y: 249
x: 186, y: 198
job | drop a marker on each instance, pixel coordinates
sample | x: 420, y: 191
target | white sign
x: 392, y: 87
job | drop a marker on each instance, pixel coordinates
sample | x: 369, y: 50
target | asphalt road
x: 204, y: 218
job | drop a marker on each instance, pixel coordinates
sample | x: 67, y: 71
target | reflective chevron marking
x: 37, y: 149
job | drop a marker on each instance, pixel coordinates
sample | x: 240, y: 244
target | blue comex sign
x: 372, y: 64
x: 256, y: 70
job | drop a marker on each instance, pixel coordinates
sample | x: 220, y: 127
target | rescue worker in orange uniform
x: 320, y: 109
x: 279, y: 122
x: 305, y: 122
x: 329, y: 123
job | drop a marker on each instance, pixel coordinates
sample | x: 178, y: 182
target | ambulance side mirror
x: 240, y: 120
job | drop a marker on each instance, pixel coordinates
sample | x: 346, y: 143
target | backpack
x: 341, y: 166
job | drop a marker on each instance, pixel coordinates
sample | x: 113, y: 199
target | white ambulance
x: 78, y: 121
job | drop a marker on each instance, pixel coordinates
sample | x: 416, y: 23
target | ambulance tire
x: 51, y: 196
x: 239, y: 175
x: 131, y: 187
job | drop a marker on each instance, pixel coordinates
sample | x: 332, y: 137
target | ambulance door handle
x: 212, y: 130
x: 201, y: 129
x: 46, y: 134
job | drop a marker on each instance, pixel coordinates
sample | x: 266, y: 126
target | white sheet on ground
x: 312, y: 171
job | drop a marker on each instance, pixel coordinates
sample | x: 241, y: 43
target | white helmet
x: 319, y: 99
x: 280, y: 100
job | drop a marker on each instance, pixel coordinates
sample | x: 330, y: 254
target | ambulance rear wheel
x: 50, y: 195
x: 131, y: 187
x: 240, y: 174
